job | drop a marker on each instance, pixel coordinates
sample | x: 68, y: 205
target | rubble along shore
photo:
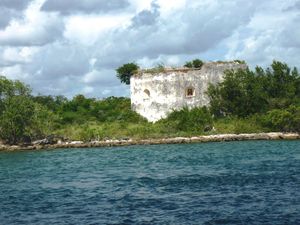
x: 176, y: 140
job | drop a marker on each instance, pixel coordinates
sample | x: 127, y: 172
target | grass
x: 137, y: 131
x: 238, y: 126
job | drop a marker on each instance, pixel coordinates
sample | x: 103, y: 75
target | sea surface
x: 250, y: 182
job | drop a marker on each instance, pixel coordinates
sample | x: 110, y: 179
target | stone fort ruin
x: 156, y: 93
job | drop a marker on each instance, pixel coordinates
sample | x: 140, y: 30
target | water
x: 254, y: 182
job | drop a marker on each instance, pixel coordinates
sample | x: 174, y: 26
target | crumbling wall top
x: 207, y: 65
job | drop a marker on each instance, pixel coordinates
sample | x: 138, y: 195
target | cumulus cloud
x: 10, y: 9
x: 270, y: 35
x: 6, y: 16
x: 193, y: 29
x: 71, y: 47
x: 84, y: 6
x: 60, y: 60
x: 13, y: 56
x: 31, y: 33
x: 35, y: 28
x: 146, y: 17
x: 14, y: 4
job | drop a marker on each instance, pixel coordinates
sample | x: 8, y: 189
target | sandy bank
x: 176, y: 140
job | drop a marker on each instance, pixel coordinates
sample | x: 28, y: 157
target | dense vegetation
x: 246, y: 101
x: 271, y: 95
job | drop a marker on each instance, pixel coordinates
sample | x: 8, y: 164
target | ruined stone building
x: 154, y: 93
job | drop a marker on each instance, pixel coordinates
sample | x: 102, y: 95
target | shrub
x: 160, y: 68
x: 190, y: 120
x: 195, y: 64
x: 283, y: 119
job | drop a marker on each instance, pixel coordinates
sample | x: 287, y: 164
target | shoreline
x: 176, y: 140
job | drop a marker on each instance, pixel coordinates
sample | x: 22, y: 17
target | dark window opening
x: 190, y: 92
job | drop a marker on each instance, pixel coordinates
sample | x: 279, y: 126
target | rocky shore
x: 176, y: 140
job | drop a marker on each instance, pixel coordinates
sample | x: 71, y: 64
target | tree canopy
x: 126, y: 71
x: 245, y: 92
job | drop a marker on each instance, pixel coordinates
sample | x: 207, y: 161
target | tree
x: 240, y: 94
x: 43, y: 122
x: 246, y: 92
x: 126, y: 71
x: 16, y: 110
x: 282, y: 80
x: 9, y: 88
x: 21, y: 115
x: 16, y: 118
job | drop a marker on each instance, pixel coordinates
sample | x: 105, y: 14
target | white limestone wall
x: 168, y: 89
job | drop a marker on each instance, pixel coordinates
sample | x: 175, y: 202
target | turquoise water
x: 254, y: 182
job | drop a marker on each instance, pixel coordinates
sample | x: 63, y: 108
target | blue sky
x: 69, y: 47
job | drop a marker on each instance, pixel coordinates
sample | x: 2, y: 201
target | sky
x: 71, y: 47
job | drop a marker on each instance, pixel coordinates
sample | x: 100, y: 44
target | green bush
x: 195, y: 64
x: 283, y: 119
x: 160, y: 68
x: 192, y: 120
x: 44, y: 122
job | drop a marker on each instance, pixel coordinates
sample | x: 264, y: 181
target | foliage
x: 160, y: 68
x: 52, y: 103
x: 240, y: 94
x: 115, y: 109
x: 195, y: 64
x: 283, y: 119
x: 16, y: 118
x: 194, y: 120
x: 244, y: 102
x: 9, y: 88
x: 21, y: 118
x: 245, y: 92
x: 126, y: 71
x: 43, y: 122
x: 239, y: 61
x: 80, y: 110
x: 282, y: 81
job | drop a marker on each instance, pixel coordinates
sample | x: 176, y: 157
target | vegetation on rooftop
x: 160, y: 68
x: 127, y: 70
x: 194, y: 64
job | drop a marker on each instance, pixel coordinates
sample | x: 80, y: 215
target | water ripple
x: 215, y: 183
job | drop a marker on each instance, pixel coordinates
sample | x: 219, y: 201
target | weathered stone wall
x: 154, y: 95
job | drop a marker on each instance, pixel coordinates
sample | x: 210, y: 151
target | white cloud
x: 36, y: 28
x: 79, y: 6
x: 270, y: 35
x: 71, y: 50
x: 87, y: 29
